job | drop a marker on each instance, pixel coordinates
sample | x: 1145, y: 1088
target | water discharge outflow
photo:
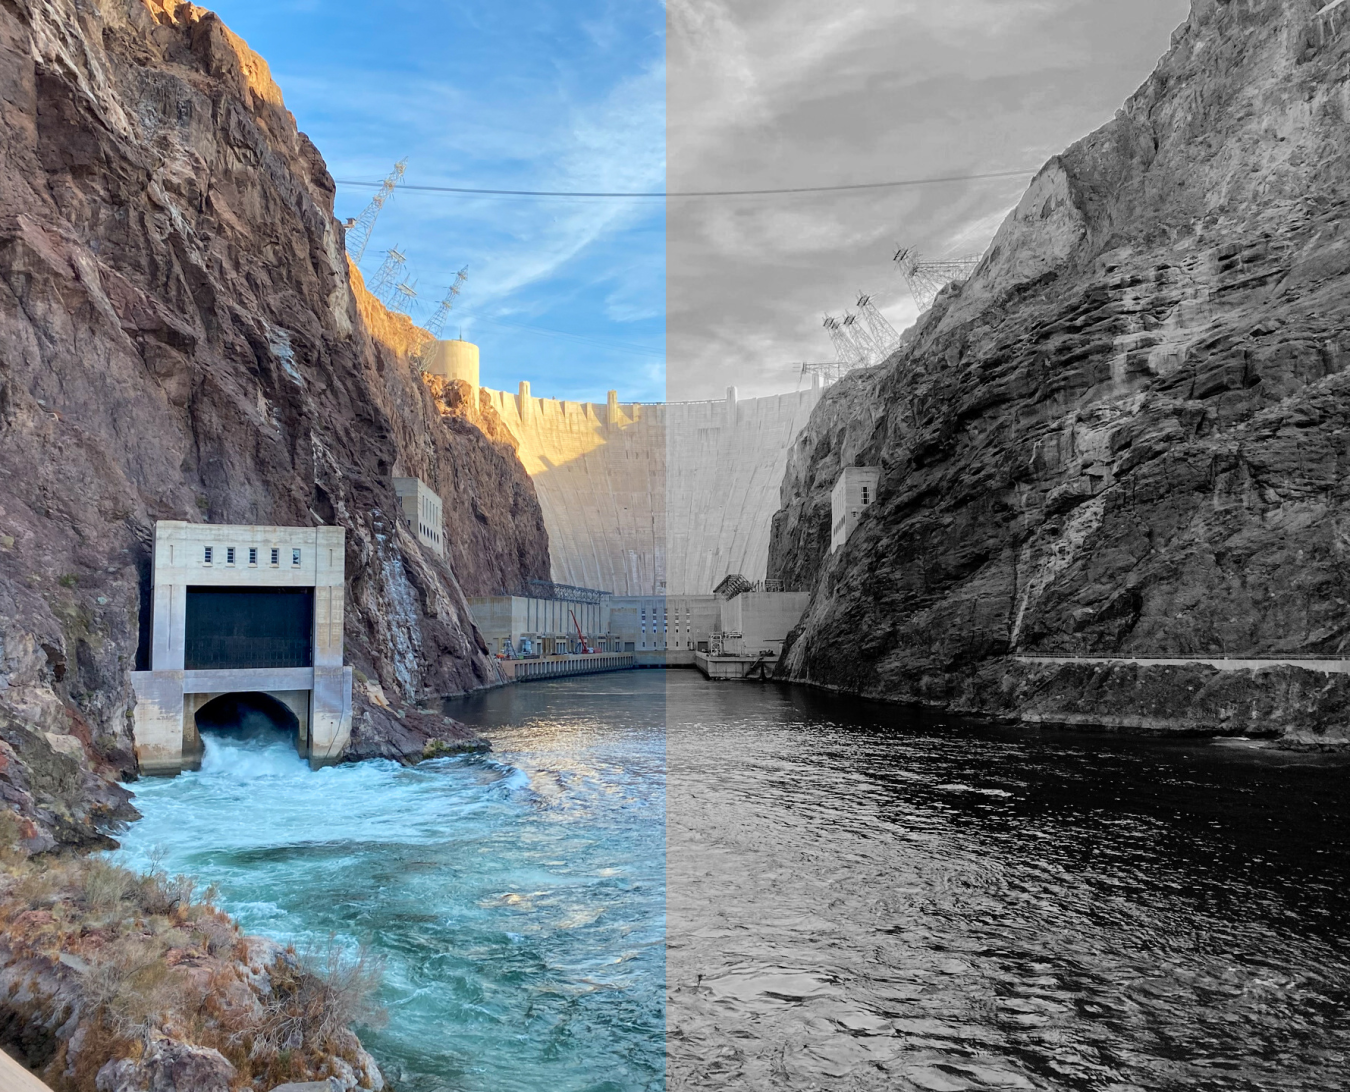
x: 516, y: 899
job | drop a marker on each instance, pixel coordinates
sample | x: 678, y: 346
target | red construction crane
x: 585, y: 648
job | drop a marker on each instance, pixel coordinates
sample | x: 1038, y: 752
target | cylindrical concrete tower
x: 455, y: 360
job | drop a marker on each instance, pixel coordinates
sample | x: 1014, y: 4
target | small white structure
x: 760, y: 621
x: 421, y: 508
x: 238, y: 610
x: 854, y: 492
x: 546, y: 623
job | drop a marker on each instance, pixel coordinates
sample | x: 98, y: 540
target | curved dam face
x: 656, y: 498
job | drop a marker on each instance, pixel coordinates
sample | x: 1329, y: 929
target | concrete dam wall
x: 655, y: 498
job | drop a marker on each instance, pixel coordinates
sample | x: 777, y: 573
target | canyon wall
x: 1128, y: 434
x: 181, y: 338
x: 654, y: 498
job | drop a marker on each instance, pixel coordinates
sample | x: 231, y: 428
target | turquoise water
x: 518, y: 898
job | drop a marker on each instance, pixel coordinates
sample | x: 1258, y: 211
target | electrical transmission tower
x: 828, y: 373
x: 882, y: 332
x: 845, y: 348
x: 400, y: 297
x: 927, y: 279
x: 861, y: 339
x: 437, y: 323
x: 386, y: 278
x: 360, y: 227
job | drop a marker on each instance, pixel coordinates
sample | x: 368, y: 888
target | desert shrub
x: 11, y: 834
x: 218, y: 936
x: 37, y: 888
x: 106, y: 885
x: 134, y: 987
x: 326, y: 991
x: 163, y: 894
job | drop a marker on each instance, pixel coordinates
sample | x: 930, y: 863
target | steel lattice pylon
x: 883, y: 334
x: 360, y: 227
x: 861, y: 339
x: 829, y: 372
x: 927, y: 279
x: 845, y: 347
x: 400, y: 298
x: 437, y: 323
x: 387, y: 276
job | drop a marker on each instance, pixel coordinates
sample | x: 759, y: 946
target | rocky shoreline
x: 118, y: 982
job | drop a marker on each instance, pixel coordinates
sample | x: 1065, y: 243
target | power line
x: 573, y: 337
x: 703, y: 193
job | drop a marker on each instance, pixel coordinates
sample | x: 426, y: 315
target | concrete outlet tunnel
x: 247, y: 714
x: 246, y: 630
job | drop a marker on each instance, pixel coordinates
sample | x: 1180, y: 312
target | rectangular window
x: 207, y: 557
x: 276, y: 556
x: 229, y: 555
x: 253, y: 555
x: 295, y: 557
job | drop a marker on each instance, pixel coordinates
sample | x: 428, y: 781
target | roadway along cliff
x: 180, y: 338
x: 1129, y: 433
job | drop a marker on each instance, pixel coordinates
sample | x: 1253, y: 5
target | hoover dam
x: 643, y: 498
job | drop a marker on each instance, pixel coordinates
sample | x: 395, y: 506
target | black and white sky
x: 776, y: 93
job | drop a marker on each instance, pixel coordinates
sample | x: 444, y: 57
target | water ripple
x: 866, y: 898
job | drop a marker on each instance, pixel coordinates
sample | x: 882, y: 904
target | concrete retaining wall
x: 553, y: 667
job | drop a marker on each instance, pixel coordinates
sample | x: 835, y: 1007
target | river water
x: 517, y: 899
x: 864, y: 898
x: 654, y: 881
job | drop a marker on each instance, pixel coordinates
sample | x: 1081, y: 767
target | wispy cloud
x: 768, y: 93
x: 532, y: 95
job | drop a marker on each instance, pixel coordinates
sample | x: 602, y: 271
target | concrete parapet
x: 553, y: 667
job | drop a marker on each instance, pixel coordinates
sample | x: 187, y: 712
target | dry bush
x: 326, y: 992
x: 11, y: 834
x: 37, y: 888
x: 106, y: 886
x: 163, y: 894
x: 134, y: 987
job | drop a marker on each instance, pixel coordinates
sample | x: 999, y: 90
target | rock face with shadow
x: 1128, y: 434
x: 181, y: 338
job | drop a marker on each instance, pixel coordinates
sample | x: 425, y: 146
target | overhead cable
x: 467, y: 190
x: 602, y: 342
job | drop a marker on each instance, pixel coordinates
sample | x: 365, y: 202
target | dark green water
x: 862, y: 897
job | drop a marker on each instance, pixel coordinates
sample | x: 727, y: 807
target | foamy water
x: 517, y: 899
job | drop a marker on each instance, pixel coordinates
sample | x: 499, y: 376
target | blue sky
x: 527, y: 95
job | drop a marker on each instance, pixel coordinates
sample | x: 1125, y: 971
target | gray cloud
x: 768, y: 93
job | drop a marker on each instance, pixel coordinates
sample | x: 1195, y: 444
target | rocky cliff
x: 1128, y: 434
x: 181, y: 338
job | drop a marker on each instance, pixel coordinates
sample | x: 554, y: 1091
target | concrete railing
x: 15, y: 1078
x: 553, y: 667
